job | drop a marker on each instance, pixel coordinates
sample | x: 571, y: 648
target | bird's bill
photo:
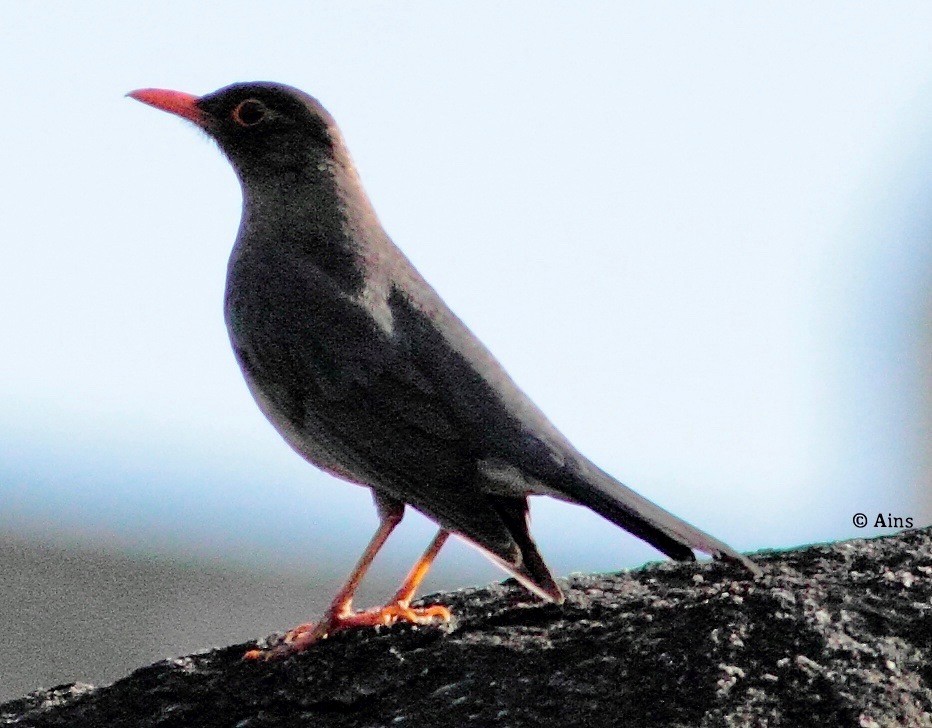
x: 174, y: 102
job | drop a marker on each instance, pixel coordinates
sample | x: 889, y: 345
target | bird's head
x: 265, y: 129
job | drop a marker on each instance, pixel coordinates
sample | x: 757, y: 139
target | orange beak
x: 174, y: 102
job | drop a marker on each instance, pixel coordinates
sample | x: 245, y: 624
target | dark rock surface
x: 832, y: 635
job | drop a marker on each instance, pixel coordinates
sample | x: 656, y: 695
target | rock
x: 832, y: 635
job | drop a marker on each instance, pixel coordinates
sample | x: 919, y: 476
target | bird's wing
x: 509, y: 428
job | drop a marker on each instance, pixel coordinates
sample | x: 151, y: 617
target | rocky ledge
x: 832, y: 635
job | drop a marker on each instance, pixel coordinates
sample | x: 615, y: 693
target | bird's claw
x: 305, y: 635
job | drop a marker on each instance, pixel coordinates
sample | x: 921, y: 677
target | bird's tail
x: 592, y: 487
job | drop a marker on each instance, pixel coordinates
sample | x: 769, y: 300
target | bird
x: 366, y: 373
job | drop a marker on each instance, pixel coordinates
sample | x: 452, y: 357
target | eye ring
x: 249, y: 112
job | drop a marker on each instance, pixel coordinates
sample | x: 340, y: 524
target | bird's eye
x: 249, y: 112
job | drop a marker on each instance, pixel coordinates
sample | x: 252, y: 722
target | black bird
x: 366, y: 372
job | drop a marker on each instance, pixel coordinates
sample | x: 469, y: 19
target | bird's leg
x: 399, y: 608
x: 339, y: 614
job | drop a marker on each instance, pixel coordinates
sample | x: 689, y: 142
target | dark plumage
x: 364, y: 370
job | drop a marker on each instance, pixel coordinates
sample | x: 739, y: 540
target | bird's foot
x: 303, y: 636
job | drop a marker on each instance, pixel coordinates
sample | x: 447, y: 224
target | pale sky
x: 698, y: 235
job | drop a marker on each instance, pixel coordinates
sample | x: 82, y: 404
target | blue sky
x: 697, y: 234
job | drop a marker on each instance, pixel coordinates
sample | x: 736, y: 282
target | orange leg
x: 413, y: 580
x: 340, y: 615
x: 399, y: 608
x: 302, y: 636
